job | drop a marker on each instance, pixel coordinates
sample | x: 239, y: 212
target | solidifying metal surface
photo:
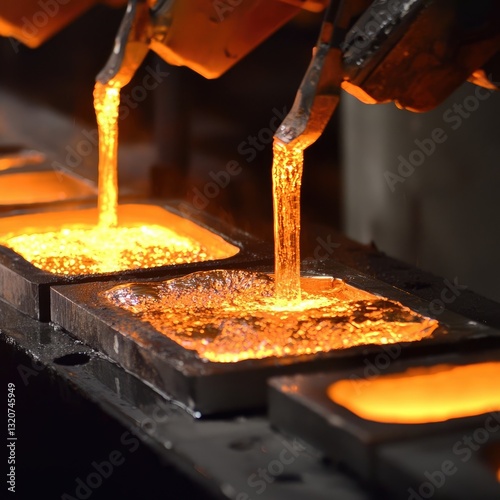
x: 300, y: 405
x: 228, y: 316
x: 210, y: 387
x: 27, y: 288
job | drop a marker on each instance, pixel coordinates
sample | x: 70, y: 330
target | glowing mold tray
x: 406, y: 426
x: 25, y: 189
x: 40, y: 250
x: 214, y: 352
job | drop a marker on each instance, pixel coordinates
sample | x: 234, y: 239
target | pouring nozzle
x: 132, y: 44
x: 319, y: 92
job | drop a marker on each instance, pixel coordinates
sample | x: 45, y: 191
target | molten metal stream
x: 287, y: 176
x: 106, y: 104
x: 422, y: 395
x: 77, y: 249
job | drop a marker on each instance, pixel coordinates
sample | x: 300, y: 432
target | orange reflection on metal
x: 70, y: 243
x: 287, y: 176
x: 19, y: 159
x: 19, y: 188
x: 106, y: 104
x: 358, y: 92
x: 422, y: 395
x: 230, y: 316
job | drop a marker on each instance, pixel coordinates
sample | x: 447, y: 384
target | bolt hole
x: 73, y: 359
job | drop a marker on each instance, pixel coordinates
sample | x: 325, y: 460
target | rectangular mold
x: 27, y: 287
x: 299, y: 405
x: 211, y: 387
x: 22, y: 189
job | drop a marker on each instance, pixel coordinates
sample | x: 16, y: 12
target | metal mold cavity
x: 182, y: 371
x: 304, y: 405
x: 26, y: 285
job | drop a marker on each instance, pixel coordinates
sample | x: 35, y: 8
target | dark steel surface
x: 432, y: 466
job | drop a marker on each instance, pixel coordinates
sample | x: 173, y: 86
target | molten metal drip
x: 422, y: 395
x: 287, y: 177
x: 230, y: 316
x: 106, y: 104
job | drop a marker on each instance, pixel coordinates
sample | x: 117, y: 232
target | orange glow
x: 422, y: 395
x: 358, y: 92
x: 230, y: 316
x: 70, y: 243
x: 20, y: 159
x: 9, y: 29
x: 88, y: 242
x: 106, y: 104
x: 287, y: 176
x: 491, y: 456
x: 41, y: 187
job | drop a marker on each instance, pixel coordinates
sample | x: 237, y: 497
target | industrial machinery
x: 174, y: 383
x: 415, y: 53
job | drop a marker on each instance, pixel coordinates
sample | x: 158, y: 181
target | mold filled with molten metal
x: 422, y: 395
x: 72, y: 243
x: 84, y: 242
x: 230, y: 316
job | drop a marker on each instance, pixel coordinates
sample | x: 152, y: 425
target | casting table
x: 77, y: 409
